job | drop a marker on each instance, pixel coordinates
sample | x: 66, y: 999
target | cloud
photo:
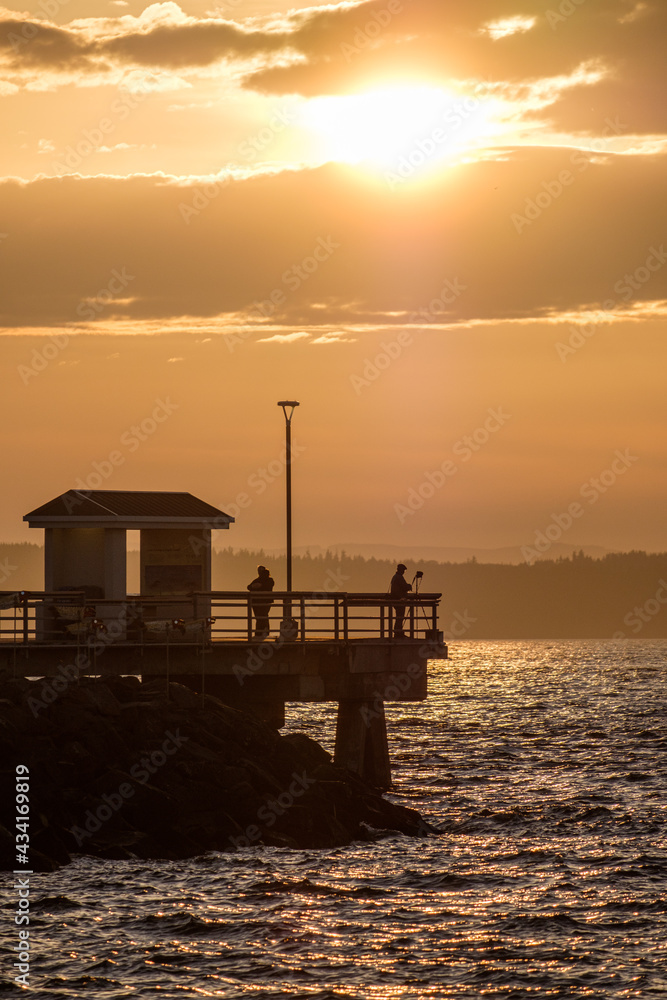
x: 334, y: 337
x: 285, y: 338
x: 30, y: 43
x: 505, y: 26
x: 162, y: 37
x: 339, y: 48
x: 198, y: 44
x: 532, y: 234
x: 120, y: 146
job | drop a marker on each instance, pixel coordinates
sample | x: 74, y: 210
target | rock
x: 124, y: 688
x: 15, y: 689
x: 96, y: 696
x: 184, y: 697
x: 121, y: 769
x: 308, y: 748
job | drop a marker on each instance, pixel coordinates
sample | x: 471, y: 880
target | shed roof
x: 119, y: 507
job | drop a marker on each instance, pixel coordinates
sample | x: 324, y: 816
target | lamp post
x: 292, y: 404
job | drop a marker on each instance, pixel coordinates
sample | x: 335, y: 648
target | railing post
x: 302, y: 615
x: 345, y: 619
x: 336, y: 618
x: 24, y: 598
x: 249, y: 609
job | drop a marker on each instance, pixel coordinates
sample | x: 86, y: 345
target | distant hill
x: 21, y: 566
x: 440, y: 553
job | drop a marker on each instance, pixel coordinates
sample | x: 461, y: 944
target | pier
x: 319, y: 647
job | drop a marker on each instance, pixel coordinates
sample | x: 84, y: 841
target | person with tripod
x: 399, y: 590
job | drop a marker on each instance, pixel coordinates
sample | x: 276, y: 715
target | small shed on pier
x: 85, y: 541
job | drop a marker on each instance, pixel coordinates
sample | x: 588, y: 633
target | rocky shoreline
x: 124, y: 769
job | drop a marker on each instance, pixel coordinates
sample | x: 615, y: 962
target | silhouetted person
x: 263, y: 583
x: 400, y: 588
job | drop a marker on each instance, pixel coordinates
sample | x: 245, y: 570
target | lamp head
x: 292, y: 403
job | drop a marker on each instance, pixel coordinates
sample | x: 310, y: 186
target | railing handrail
x: 316, y: 595
x: 218, y: 615
x: 282, y: 594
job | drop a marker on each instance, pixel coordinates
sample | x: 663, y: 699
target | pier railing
x: 342, y: 616
x: 70, y: 617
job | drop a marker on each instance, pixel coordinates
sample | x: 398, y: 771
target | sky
x: 441, y: 227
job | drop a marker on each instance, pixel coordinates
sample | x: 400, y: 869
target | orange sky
x: 441, y: 227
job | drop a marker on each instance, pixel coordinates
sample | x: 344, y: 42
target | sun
x: 421, y: 126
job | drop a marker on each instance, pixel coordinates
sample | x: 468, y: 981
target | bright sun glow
x: 420, y: 126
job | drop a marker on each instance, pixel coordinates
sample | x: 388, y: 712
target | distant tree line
x: 622, y: 595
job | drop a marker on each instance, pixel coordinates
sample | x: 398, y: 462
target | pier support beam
x: 361, y: 740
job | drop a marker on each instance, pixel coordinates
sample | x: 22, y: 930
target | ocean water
x: 545, y: 766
